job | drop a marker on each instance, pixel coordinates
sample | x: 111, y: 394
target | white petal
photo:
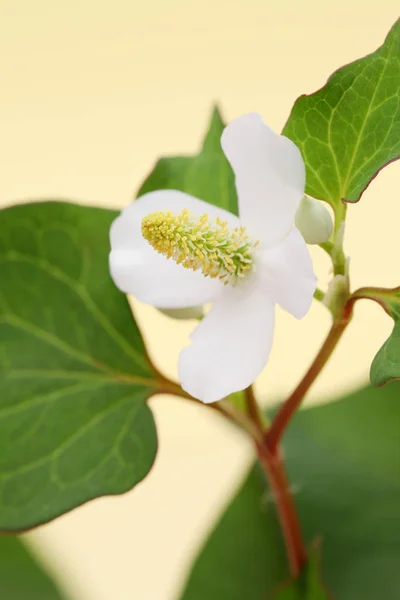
x: 270, y: 176
x: 155, y: 280
x: 287, y: 274
x: 138, y: 269
x: 231, y: 345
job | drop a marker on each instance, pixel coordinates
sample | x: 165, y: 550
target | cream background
x: 91, y: 93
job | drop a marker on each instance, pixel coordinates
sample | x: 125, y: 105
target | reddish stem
x: 253, y: 410
x: 275, y: 472
x: 290, y: 525
x: 268, y: 450
x: 288, y: 409
x: 267, y: 444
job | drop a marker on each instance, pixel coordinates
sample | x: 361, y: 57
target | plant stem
x: 224, y: 407
x: 269, y: 454
x: 327, y: 247
x: 338, y: 256
x: 254, y: 411
x: 290, y: 525
x: 275, y: 472
x: 388, y: 298
x: 267, y: 442
x: 340, y: 215
x: 240, y: 418
x: 287, y: 410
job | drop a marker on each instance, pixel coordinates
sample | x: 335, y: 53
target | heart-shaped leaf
x: 350, y: 129
x: 74, y: 374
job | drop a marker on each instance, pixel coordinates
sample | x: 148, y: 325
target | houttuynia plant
x: 222, y: 237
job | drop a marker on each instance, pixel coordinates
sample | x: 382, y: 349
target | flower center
x: 197, y: 243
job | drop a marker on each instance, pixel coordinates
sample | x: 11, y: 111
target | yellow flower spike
x: 198, y: 244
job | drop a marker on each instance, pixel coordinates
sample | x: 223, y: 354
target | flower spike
x: 197, y: 243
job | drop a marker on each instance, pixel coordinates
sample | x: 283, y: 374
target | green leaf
x: 243, y: 556
x: 21, y: 577
x: 350, y: 129
x: 308, y: 586
x: 74, y: 374
x: 344, y: 466
x: 207, y: 176
x: 386, y: 365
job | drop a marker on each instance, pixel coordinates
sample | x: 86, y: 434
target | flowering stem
x: 223, y: 407
x: 274, y: 469
x: 239, y: 418
x: 254, y: 412
x: 287, y: 410
x: 268, y: 448
x: 267, y: 442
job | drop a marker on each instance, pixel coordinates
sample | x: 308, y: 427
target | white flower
x: 271, y: 265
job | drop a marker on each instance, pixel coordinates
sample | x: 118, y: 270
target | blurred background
x: 92, y: 92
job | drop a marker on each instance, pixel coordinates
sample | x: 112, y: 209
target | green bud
x: 314, y: 221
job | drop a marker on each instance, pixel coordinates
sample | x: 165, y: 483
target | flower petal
x: 155, y: 280
x: 138, y: 269
x: 270, y: 176
x: 231, y: 345
x: 287, y: 274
